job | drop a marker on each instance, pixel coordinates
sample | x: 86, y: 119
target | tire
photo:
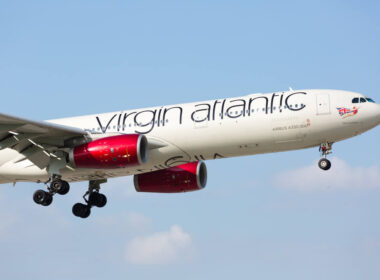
x: 97, y: 199
x: 39, y: 196
x: 57, y: 185
x: 324, y: 164
x: 77, y: 209
x: 102, y: 200
x: 65, y: 188
x: 48, y: 200
x: 93, y: 198
x: 81, y: 210
x: 86, y: 212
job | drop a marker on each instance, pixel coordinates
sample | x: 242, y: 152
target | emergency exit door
x: 323, y: 104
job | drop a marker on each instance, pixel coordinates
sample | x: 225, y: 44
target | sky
x: 273, y: 216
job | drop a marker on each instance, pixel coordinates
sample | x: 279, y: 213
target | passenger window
x: 362, y: 100
x: 355, y: 100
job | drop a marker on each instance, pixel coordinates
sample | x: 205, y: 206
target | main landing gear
x: 57, y: 185
x: 94, y: 199
x: 325, y: 149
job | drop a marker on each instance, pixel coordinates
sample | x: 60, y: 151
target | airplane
x: 165, y: 147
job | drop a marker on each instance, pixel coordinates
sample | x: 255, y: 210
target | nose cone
x: 378, y: 114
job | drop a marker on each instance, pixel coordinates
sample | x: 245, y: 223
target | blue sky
x: 260, y: 216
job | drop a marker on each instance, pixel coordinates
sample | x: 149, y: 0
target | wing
x: 36, y: 141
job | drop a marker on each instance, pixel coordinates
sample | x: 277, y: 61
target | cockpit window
x: 355, y: 100
x: 370, y: 100
x: 362, y: 100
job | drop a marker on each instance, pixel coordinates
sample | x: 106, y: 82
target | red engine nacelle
x: 111, y: 152
x: 183, y: 178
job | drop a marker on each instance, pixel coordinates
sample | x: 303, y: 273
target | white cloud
x: 160, y: 248
x: 341, y: 175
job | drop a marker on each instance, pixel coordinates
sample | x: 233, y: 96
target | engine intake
x: 183, y: 178
x: 111, y: 152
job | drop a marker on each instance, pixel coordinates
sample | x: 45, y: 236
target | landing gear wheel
x: 102, y: 200
x: 92, y: 198
x: 56, y: 185
x: 39, y: 196
x: 81, y: 210
x: 42, y: 197
x: 324, y: 164
x: 65, y: 187
x: 59, y: 186
x: 48, y: 200
x: 97, y: 199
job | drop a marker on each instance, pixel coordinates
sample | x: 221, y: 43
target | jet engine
x: 111, y: 152
x: 183, y: 178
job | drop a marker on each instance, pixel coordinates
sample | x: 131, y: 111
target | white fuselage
x: 253, y: 124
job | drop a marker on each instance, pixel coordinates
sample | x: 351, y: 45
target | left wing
x: 37, y: 141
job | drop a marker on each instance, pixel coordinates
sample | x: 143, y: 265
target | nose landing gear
x: 324, y: 164
x: 94, y: 199
x: 325, y: 149
x: 57, y: 185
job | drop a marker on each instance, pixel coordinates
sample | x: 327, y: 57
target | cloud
x: 340, y: 176
x: 160, y: 248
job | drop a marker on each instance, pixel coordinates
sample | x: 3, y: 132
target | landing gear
x: 324, y: 164
x: 81, y: 210
x: 325, y: 149
x: 97, y: 199
x: 43, y: 198
x: 57, y: 185
x: 94, y: 199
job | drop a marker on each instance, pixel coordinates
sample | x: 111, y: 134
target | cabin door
x: 323, y: 104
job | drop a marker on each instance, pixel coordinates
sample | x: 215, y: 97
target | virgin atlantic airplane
x: 165, y: 147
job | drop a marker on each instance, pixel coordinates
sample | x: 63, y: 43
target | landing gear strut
x: 325, y: 149
x: 57, y: 185
x: 92, y: 198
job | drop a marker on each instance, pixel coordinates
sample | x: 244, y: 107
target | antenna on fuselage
x: 291, y: 90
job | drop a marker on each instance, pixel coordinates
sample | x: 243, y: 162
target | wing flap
x: 37, y: 156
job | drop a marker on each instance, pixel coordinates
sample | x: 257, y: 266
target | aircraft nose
x: 378, y: 114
